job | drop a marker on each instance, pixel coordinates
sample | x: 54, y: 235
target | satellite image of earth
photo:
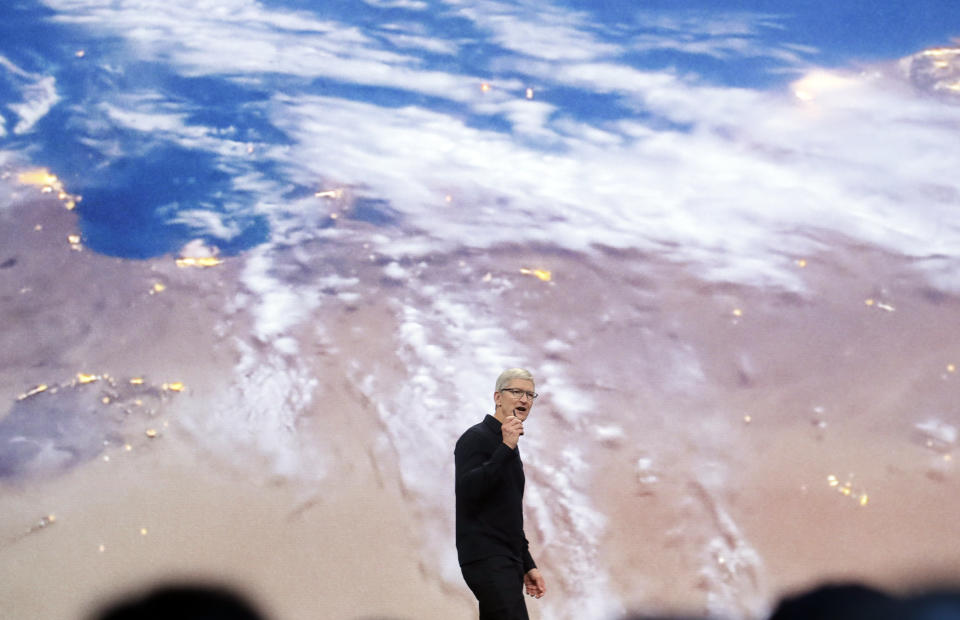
x: 262, y: 261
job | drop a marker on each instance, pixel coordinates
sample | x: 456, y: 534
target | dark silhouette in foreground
x: 856, y: 602
x: 182, y: 602
x: 850, y: 601
x: 840, y: 602
x: 853, y: 601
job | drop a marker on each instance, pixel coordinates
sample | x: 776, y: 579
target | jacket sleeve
x: 477, y: 472
x: 528, y: 563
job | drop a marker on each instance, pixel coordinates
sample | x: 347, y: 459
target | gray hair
x: 510, y: 374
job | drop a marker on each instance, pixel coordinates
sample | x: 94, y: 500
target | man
x: 492, y: 548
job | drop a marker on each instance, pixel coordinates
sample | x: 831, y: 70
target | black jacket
x: 489, y: 492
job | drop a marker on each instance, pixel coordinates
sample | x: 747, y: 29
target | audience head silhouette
x: 182, y: 602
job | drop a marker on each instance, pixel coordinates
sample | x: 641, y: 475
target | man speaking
x: 493, y: 551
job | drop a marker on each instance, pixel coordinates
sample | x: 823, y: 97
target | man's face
x: 514, y: 398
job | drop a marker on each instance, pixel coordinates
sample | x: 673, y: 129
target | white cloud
x: 39, y: 98
x: 708, y: 24
x: 537, y: 30
x: 751, y: 163
x: 278, y: 306
x: 244, y: 38
x: 411, y: 5
x: 209, y: 222
x: 429, y: 44
x: 256, y: 412
x: 720, y: 35
x: 38, y: 95
x: 526, y: 117
x: 141, y: 114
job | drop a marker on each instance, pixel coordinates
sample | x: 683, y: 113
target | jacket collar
x: 492, y: 423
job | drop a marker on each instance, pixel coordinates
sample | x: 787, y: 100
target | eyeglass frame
x: 514, y: 392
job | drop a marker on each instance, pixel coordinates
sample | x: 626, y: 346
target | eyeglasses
x: 518, y: 393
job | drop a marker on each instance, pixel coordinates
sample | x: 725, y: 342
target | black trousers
x: 497, y: 583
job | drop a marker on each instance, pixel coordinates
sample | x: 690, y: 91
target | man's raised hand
x: 511, y: 429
